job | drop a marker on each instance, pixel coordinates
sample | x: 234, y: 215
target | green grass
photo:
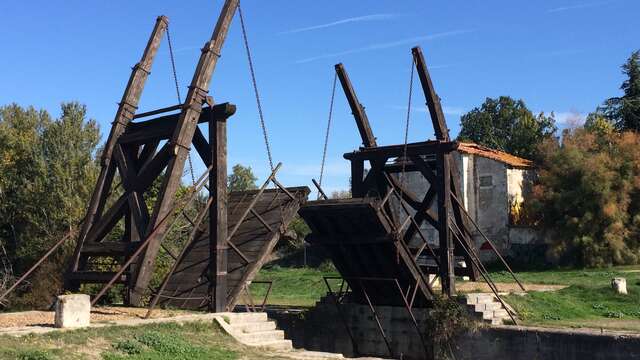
x: 293, y: 286
x: 168, y: 341
x: 588, y: 301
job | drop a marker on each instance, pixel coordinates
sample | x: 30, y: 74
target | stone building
x: 493, y: 187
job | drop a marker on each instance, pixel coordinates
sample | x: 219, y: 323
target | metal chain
x: 175, y: 81
x: 326, y: 136
x: 406, y: 127
x: 255, y: 88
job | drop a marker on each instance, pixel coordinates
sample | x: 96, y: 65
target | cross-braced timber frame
x: 132, y: 151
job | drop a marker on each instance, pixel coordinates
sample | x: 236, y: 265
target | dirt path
x: 99, y: 314
x: 471, y: 286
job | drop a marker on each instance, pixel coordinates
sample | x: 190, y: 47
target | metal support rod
x: 36, y: 265
x: 375, y: 315
x: 495, y: 250
x: 319, y: 189
x: 342, y: 316
x: 413, y: 318
x: 158, y: 111
x: 253, y: 202
x: 413, y: 221
x: 484, y: 273
x: 179, y: 258
x: 262, y: 220
x: 146, y: 242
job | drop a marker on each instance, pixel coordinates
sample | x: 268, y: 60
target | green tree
x: 47, y: 173
x: 587, y: 198
x: 624, y: 111
x: 508, y: 125
x: 241, y: 179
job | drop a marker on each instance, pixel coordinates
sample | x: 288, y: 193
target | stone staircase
x: 256, y: 330
x: 486, y: 307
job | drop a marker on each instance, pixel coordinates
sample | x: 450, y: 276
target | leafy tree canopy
x: 587, y: 198
x: 508, y: 125
x: 47, y: 173
x: 241, y: 179
x: 624, y: 111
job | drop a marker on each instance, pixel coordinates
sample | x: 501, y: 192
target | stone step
x: 277, y: 345
x: 243, y: 318
x: 479, y: 298
x: 487, y: 306
x: 261, y: 336
x: 310, y: 355
x: 493, y: 314
x: 251, y: 327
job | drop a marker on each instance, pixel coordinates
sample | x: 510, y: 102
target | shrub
x: 587, y: 198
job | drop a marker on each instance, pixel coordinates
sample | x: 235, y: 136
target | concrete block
x: 73, y: 311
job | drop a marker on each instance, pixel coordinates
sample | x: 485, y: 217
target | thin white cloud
x: 578, y: 6
x: 570, y: 118
x: 357, y: 19
x: 385, y: 45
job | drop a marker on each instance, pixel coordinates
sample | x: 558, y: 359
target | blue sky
x: 560, y: 55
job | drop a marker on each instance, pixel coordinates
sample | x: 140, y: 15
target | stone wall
x: 322, y: 329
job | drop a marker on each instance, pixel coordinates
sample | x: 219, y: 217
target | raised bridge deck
x: 255, y: 240
x: 364, y: 249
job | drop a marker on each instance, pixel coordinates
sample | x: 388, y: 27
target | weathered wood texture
x: 180, y: 142
x: 188, y: 287
x: 124, y: 115
x: 368, y: 140
x: 360, y: 240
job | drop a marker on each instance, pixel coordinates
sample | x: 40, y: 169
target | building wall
x: 489, y: 188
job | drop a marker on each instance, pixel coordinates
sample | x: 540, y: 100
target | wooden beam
x: 442, y: 133
x: 419, y: 148
x: 433, y: 101
x: 180, y: 142
x: 218, y: 227
x: 202, y: 146
x: 368, y: 140
x: 447, y: 275
x: 163, y: 127
x: 124, y: 115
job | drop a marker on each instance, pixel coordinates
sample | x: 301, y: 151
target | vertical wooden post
x: 218, y: 216
x: 181, y: 141
x: 357, y: 175
x: 447, y: 275
x: 442, y: 133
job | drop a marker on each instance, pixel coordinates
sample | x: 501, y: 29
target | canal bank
x: 324, y: 328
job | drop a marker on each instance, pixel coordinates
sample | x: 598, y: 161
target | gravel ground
x: 99, y: 314
x: 470, y: 286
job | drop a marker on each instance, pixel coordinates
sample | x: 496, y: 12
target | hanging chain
x: 326, y: 136
x: 255, y: 88
x: 406, y: 127
x: 175, y: 81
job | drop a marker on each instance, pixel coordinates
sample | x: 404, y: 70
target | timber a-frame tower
x: 142, y: 148
x: 376, y: 238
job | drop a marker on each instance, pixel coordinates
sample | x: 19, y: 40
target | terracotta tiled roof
x: 512, y: 160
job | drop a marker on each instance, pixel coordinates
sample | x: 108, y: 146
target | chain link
x: 175, y: 81
x: 255, y: 88
x: 326, y: 136
x: 406, y: 127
